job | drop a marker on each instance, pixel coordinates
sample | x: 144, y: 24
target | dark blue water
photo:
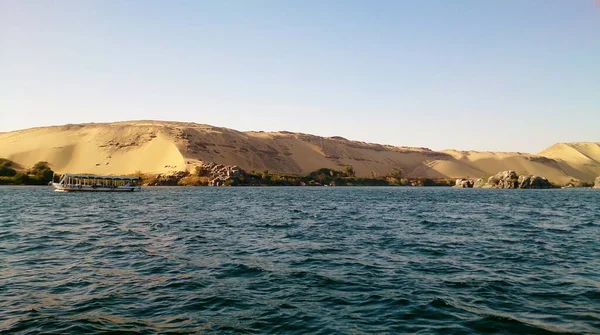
x: 300, y: 260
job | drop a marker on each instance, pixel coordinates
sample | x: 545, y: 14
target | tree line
x: 39, y: 174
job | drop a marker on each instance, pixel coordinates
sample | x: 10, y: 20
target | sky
x: 496, y: 75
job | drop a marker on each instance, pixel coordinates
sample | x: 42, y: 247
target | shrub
x: 349, y: 171
x: 393, y: 181
x: 6, y: 162
x: 201, y: 171
x: 6, y: 181
x: 41, y: 172
x: 284, y: 180
x: 40, y: 166
x: 266, y: 177
x: 193, y: 181
x: 21, y: 179
x: 396, y: 173
x: 6, y: 169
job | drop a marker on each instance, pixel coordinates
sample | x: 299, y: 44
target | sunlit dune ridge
x: 164, y: 147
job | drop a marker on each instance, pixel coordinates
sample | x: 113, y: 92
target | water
x: 300, y: 260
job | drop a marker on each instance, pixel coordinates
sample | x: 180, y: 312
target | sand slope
x: 159, y: 147
x: 581, y: 160
x: 101, y: 149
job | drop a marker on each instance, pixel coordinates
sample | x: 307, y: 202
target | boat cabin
x: 83, y: 182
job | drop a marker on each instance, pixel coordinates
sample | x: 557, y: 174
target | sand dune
x: 163, y: 147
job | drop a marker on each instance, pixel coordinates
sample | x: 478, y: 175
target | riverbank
x: 12, y: 174
x: 221, y: 175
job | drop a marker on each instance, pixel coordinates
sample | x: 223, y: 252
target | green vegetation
x: 39, y: 174
x: 396, y: 173
x: 202, y: 171
x: 431, y: 182
x: 203, y: 176
x: 6, y: 168
x: 328, y: 177
x: 193, y: 181
x: 349, y: 171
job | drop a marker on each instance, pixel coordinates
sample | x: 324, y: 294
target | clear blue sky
x: 488, y: 75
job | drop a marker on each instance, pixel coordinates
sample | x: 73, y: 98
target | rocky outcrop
x: 208, y: 173
x: 534, y: 182
x: 464, y: 183
x: 479, y: 183
x: 597, y: 182
x: 574, y: 183
x: 510, y: 180
x: 219, y: 174
x: 504, y: 179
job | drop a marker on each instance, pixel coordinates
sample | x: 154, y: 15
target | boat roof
x: 91, y: 176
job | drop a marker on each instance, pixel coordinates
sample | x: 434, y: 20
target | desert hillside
x: 163, y: 147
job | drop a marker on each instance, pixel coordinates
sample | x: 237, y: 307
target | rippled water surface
x: 300, y: 260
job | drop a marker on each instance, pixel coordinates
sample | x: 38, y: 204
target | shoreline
x: 315, y: 186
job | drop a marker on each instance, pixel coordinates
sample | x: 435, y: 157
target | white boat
x: 91, y: 183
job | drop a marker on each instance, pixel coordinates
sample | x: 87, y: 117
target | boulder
x: 479, y: 183
x: 504, y: 179
x: 534, y: 182
x: 218, y: 181
x: 464, y: 183
x: 597, y: 182
x: 573, y: 183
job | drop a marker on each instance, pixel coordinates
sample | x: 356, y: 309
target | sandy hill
x: 162, y: 147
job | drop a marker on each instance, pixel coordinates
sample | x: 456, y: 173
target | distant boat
x: 91, y: 183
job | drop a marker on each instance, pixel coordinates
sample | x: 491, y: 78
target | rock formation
x: 504, y: 179
x: 510, y: 180
x: 597, y: 182
x: 214, y: 174
x: 573, y: 182
x: 479, y: 183
x: 464, y: 183
x: 534, y: 182
x: 219, y: 174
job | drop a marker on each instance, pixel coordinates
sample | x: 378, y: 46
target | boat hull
x: 86, y: 188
